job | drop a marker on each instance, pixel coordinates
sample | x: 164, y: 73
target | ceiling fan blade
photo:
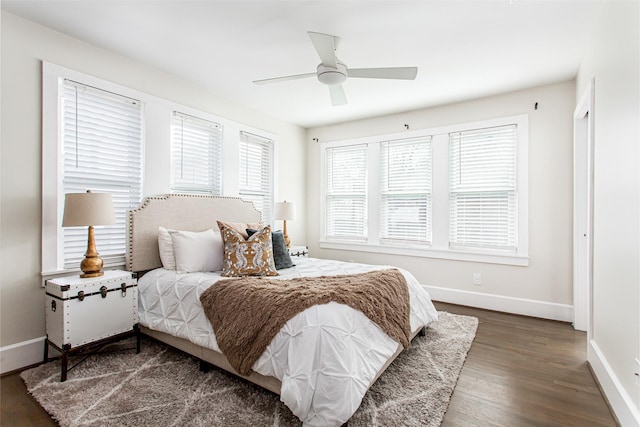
x: 325, y: 45
x: 284, y: 78
x: 337, y: 95
x: 401, y: 73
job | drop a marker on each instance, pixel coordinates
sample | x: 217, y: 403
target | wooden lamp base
x: 287, y: 241
x: 91, y: 265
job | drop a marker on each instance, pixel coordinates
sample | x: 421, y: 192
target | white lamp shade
x: 83, y: 209
x: 285, y: 211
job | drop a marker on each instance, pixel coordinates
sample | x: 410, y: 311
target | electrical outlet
x: 477, y: 279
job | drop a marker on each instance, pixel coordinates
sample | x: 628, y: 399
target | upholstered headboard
x: 179, y: 212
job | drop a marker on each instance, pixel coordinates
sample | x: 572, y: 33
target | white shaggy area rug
x: 163, y: 386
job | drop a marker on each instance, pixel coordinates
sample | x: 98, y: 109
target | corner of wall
x: 624, y: 410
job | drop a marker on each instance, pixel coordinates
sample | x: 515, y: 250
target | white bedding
x: 325, y: 357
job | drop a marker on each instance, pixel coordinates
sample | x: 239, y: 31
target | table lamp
x: 284, y: 211
x: 89, y: 209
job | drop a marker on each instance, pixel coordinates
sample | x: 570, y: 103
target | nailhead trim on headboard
x: 221, y: 207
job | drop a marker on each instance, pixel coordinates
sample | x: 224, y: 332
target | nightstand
x: 84, y: 314
x: 298, y: 251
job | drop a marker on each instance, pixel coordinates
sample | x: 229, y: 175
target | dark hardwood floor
x: 523, y: 371
x: 520, y: 371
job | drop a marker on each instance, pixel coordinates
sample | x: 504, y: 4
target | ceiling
x: 463, y: 49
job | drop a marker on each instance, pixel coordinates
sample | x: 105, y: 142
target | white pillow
x: 197, y: 251
x: 165, y: 246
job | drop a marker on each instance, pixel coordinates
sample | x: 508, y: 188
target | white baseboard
x: 527, y: 307
x: 619, y: 400
x: 19, y: 355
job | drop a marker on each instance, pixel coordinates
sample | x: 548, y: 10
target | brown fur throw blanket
x: 246, y: 313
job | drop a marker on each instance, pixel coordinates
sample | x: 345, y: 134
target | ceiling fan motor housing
x: 332, y: 76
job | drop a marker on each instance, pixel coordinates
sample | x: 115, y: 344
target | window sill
x: 428, y: 252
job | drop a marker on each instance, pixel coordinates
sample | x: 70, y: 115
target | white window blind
x: 405, y: 191
x: 482, y: 189
x: 346, y: 193
x: 196, y: 155
x: 102, y: 152
x: 256, y: 173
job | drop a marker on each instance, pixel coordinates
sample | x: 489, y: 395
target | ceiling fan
x: 333, y: 73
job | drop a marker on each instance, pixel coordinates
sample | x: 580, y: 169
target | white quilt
x: 326, y: 356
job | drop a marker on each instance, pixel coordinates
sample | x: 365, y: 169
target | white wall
x: 544, y: 288
x: 613, y: 62
x: 24, y: 46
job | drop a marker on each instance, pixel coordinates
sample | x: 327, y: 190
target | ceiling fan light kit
x: 332, y: 76
x: 333, y: 73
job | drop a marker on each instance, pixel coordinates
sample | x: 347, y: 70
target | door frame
x: 583, y: 168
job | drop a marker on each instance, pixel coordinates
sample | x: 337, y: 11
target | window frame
x: 439, y: 248
x: 347, y: 195
x: 389, y: 194
x: 118, y: 130
x: 259, y: 138
x: 215, y: 185
x: 493, y: 192
x: 52, y: 199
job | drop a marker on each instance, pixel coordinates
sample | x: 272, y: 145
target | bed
x: 321, y: 362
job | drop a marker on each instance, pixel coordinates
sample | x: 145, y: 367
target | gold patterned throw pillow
x: 250, y: 257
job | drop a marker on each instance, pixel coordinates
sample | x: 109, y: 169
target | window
x: 455, y: 192
x: 105, y: 137
x: 102, y: 152
x: 346, y: 193
x: 405, y: 191
x: 482, y: 189
x: 256, y: 173
x: 196, y: 155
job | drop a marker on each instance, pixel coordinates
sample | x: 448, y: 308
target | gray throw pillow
x: 281, y: 255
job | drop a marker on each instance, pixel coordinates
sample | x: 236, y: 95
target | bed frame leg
x: 423, y: 331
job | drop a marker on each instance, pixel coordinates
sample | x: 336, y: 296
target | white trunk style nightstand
x: 298, y: 251
x: 83, y: 314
